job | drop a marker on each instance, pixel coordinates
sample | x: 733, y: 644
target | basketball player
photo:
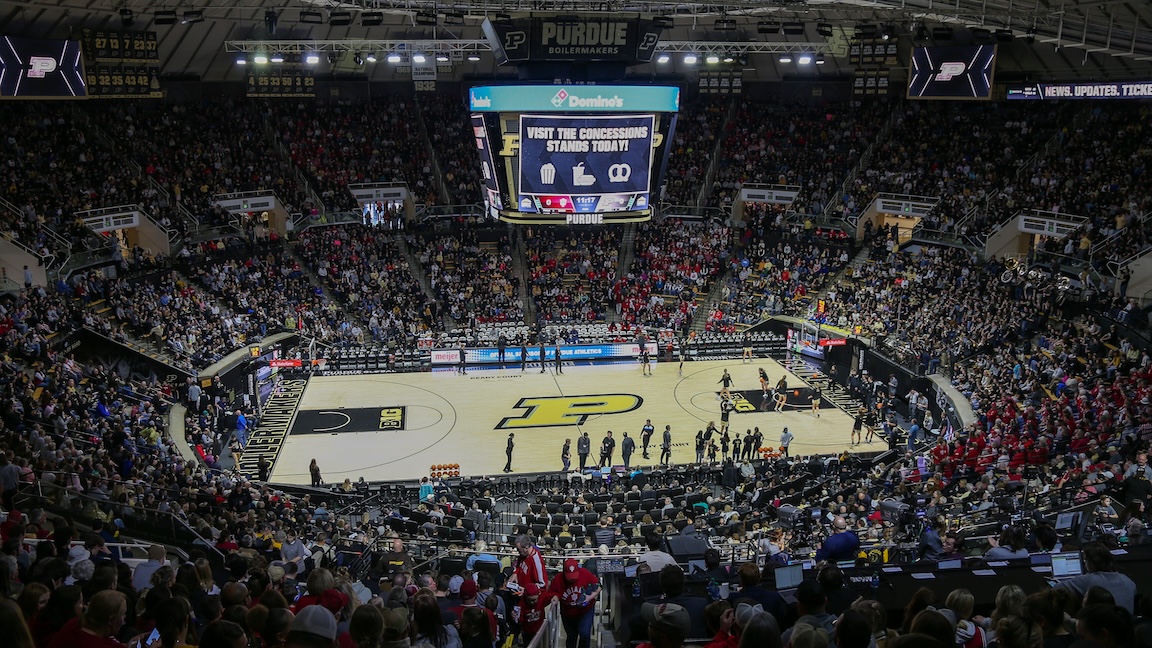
x: 666, y: 446
x: 523, y: 356
x: 725, y: 382
x: 857, y: 424
x: 645, y: 362
x: 816, y: 401
x: 781, y: 399
x: 543, y: 353
x: 559, y: 362
x: 646, y: 436
x: 747, y: 357
x: 683, y: 356
x: 726, y: 407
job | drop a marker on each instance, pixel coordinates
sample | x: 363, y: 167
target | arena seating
x: 474, y: 279
x: 571, y: 272
x: 697, y: 127
x: 450, y: 130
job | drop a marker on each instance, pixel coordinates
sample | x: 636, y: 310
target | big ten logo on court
x: 392, y: 418
x: 741, y: 404
x: 556, y: 411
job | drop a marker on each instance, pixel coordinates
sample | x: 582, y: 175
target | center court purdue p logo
x: 557, y: 411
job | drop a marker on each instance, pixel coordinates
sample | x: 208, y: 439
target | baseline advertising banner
x: 574, y: 98
x: 40, y: 68
x: 1118, y: 90
x: 585, y: 164
x: 490, y: 355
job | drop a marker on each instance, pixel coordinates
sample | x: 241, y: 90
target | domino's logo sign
x: 560, y: 97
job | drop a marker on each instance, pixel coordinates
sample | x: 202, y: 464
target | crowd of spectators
x: 571, y: 272
x: 364, y: 268
x: 341, y: 143
x: 697, y: 127
x: 777, y: 143
x: 675, y: 262
x: 450, y: 130
x: 200, y: 150
x: 473, y: 280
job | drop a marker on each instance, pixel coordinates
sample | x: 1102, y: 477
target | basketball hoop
x: 321, y: 364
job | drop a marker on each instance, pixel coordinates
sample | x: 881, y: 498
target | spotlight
x: 819, y: 59
x: 241, y: 60
x: 372, y: 18
x: 664, y: 22
x: 728, y: 58
x: 419, y: 57
x: 690, y: 59
x: 785, y: 58
x: 312, y: 59
x: 357, y: 59
x: 804, y: 59
x: 164, y: 18
x: 426, y: 18
x: 277, y: 58
x: 663, y: 58
x: 393, y: 58
x: 441, y: 58
x: 474, y: 57
x: 311, y: 17
x: 1003, y: 35
x: 260, y: 59
x: 371, y: 57
x: 454, y: 18
x: 270, y: 19
x: 793, y: 29
x: 725, y: 24
x: 127, y: 17
x: 887, y: 32
x: 867, y: 30
x: 192, y: 16
x: 768, y: 27
x: 332, y: 58
x: 503, y: 19
x: 981, y: 34
x: 921, y: 33
x: 712, y: 59
x: 824, y: 29
x: 340, y: 18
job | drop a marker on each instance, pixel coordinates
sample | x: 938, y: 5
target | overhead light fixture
x: 691, y: 59
x: 768, y: 27
x: 340, y: 18
x: 664, y: 22
x: 474, y: 57
x: 270, y: 19
x: 981, y: 33
x: 260, y: 59
x: 725, y: 24
x: 241, y: 60
x: 332, y: 58
x: 888, y: 32
x: 312, y: 59
x: 1003, y: 35
x: 419, y: 57
x: 164, y: 18
x: 311, y: 17
x: 824, y: 29
x: 728, y: 58
x: 805, y: 59
x: 127, y: 17
x: 663, y: 58
x: 921, y: 33
x: 867, y: 30
x: 357, y: 59
x: 441, y: 58
x: 371, y: 57
x: 192, y: 16
x: 785, y: 58
x: 1030, y: 36
x: 394, y: 58
x: 712, y: 59
x: 793, y: 29
x: 372, y: 18
x: 277, y: 58
x: 819, y: 59
x: 426, y: 18
x: 503, y: 19
x: 454, y: 18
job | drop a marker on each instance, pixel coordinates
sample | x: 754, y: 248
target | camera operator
x: 843, y: 544
x: 931, y: 544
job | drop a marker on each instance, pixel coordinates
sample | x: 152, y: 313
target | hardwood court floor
x: 395, y: 426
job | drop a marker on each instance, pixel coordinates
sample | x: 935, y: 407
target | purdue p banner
x: 559, y: 411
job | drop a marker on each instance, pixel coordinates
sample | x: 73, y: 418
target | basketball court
x: 396, y: 426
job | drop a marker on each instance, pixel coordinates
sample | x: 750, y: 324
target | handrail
x: 907, y: 197
x: 45, y: 259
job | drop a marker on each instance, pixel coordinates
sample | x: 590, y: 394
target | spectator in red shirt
x: 577, y: 588
x: 99, y: 625
x: 529, y: 613
x: 529, y: 568
x: 468, y: 592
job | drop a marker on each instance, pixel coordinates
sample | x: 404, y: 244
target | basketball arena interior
x: 488, y: 324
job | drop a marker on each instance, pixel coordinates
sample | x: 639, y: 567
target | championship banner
x: 572, y: 38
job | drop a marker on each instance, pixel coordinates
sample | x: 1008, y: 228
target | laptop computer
x: 1065, y: 565
x: 790, y: 576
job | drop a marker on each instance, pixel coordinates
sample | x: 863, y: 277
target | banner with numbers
x: 281, y: 83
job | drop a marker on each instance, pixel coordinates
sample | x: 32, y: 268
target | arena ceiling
x: 1052, y: 39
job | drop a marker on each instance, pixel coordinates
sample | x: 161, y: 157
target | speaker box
x: 686, y: 547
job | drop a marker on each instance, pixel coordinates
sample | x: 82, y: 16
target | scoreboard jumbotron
x: 577, y: 154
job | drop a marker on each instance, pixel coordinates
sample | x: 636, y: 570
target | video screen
x: 582, y: 155
x: 39, y: 68
x: 952, y: 72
